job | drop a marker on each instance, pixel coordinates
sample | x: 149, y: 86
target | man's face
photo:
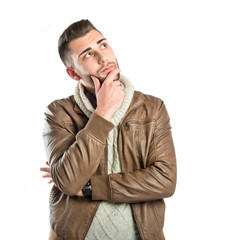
x: 92, y: 56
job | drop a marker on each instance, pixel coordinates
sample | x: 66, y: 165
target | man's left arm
x: 156, y: 181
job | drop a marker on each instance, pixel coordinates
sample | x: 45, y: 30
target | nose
x: 102, y: 58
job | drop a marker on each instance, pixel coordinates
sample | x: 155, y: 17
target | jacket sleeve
x: 73, y: 159
x: 156, y: 181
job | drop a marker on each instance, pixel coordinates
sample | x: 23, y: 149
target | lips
x: 107, y: 69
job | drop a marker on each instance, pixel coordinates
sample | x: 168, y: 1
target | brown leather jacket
x: 76, y: 150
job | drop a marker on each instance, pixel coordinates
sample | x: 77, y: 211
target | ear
x: 70, y: 71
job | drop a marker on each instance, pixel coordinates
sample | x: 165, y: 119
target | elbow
x: 68, y: 190
x: 170, y: 187
x: 66, y: 185
x: 167, y: 179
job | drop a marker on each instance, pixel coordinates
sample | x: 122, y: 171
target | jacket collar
x: 76, y: 108
x: 137, y: 101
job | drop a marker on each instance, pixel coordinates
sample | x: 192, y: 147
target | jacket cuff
x: 98, y: 127
x: 101, y: 188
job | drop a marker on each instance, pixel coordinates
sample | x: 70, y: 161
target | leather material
x: 53, y: 235
x: 76, y: 150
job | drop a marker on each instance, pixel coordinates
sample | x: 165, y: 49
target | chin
x: 103, y: 79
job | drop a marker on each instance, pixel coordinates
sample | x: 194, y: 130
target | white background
x: 185, y: 52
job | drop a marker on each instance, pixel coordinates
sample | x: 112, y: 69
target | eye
x: 104, y: 45
x: 87, y: 55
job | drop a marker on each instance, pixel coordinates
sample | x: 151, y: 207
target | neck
x: 91, y: 97
x: 91, y: 89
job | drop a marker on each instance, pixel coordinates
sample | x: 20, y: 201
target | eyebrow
x: 87, y: 49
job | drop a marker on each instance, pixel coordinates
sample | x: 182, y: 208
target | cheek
x: 111, y: 53
x: 86, y: 68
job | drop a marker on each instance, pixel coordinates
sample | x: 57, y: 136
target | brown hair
x: 74, y: 31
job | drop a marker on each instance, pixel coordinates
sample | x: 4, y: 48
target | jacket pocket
x: 140, y: 140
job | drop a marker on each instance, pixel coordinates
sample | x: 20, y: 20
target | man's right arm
x: 73, y: 159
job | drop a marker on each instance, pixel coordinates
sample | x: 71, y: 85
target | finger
x: 117, y: 83
x: 50, y: 181
x: 97, y: 84
x: 112, y: 75
x: 80, y: 194
x: 47, y: 163
x: 45, y: 169
x: 47, y: 175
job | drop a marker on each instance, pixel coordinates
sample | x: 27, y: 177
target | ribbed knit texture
x: 112, y: 220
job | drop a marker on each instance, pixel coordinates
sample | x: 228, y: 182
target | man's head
x: 85, y: 52
x: 74, y: 31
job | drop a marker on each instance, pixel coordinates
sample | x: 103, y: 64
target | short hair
x: 74, y: 31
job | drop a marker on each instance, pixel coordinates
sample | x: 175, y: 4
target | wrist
x: 87, y: 190
x: 103, y: 114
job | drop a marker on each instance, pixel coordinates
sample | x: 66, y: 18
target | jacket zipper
x: 127, y: 124
x: 137, y: 223
x: 92, y: 216
x: 129, y: 114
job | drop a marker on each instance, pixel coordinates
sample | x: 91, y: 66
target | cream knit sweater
x: 112, y: 220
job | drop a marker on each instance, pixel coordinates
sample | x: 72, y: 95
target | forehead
x: 88, y: 40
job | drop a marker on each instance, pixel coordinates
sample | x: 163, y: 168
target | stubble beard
x: 102, y: 79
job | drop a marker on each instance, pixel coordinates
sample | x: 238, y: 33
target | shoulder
x: 145, y: 107
x: 151, y: 107
x: 64, y: 110
x: 63, y: 103
x: 67, y: 105
x: 149, y: 100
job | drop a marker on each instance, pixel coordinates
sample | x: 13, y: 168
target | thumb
x: 97, y: 84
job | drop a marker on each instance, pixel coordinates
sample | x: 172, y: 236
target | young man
x: 109, y: 148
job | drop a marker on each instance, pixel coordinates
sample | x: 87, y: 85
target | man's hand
x: 48, y: 175
x: 109, y: 96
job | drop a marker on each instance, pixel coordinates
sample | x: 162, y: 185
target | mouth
x: 107, y: 69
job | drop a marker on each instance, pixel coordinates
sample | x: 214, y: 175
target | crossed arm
x: 72, y: 163
x: 47, y: 174
x: 72, y: 168
x: 109, y: 99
